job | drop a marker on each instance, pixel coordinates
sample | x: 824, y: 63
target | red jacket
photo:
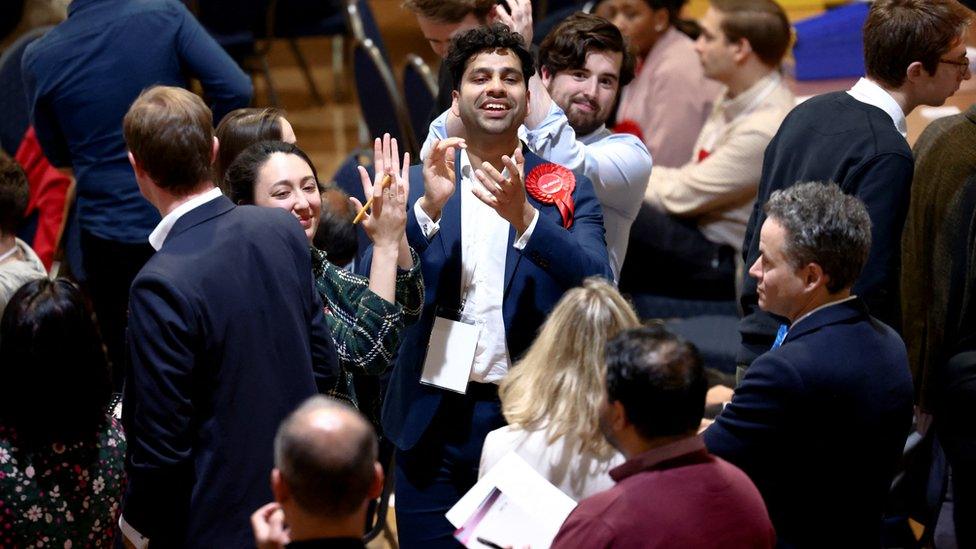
x: 48, y: 189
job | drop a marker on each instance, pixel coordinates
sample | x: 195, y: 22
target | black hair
x: 242, y: 174
x: 660, y: 380
x: 497, y: 36
x: 56, y: 379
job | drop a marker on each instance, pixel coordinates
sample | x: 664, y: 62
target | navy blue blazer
x: 819, y: 425
x: 226, y: 337
x: 554, y: 260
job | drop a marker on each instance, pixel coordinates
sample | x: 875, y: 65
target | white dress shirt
x: 159, y: 234
x: 484, y: 242
x: 868, y: 91
x: 618, y: 165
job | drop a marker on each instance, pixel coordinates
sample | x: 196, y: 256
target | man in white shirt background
x: 502, y: 234
x: 694, y: 216
x: 583, y: 64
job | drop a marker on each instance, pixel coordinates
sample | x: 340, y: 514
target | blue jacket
x: 819, y: 425
x: 553, y: 261
x: 226, y: 337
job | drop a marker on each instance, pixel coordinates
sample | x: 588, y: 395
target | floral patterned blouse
x: 61, y: 496
x: 366, y: 328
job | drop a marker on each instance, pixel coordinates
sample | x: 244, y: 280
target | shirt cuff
x: 428, y: 226
x: 133, y: 535
x: 522, y: 241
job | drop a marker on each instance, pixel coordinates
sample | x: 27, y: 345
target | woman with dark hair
x: 670, y: 98
x: 61, y: 448
x: 242, y: 128
x: 366, y: 315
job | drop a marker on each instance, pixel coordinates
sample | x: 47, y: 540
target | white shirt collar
x: 868, y: 91
x: 822, y: 307
x: 159, y: 234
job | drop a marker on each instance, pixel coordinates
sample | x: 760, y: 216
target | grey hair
x: 328, y: 474
x: 823, y: 226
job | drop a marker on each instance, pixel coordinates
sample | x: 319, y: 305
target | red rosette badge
x: 553, y: 184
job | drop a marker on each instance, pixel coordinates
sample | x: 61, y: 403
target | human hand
x: 520, y: 20
x: 506, y: 195
x: 268, y: 524
x: 718, y: 395
x: 387, y: 220
x: 439, y: 176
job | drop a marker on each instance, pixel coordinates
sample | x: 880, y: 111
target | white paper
x: 525, y: 491
x: 502, y: 522
x: 450, y: 354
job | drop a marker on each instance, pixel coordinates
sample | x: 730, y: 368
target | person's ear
x: 136, y: 167
x: 915, y: 71
x: 814, y: 277
x: 376, y: 487
x: 455, y: 110
x: 618, y: 415
x: 660, y: 18
x: 278, y: 487
x: 741, y: 50
x: 545, y: 76
x: 214, y: 150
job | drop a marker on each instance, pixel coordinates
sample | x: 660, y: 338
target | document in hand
x: 511, y: 506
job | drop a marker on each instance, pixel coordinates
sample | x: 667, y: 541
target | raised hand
x: 386, y: 222
x: 506, y: 194
x: 440, y: 178
x: 520, y: 20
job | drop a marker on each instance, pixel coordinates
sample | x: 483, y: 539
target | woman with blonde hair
x: 552, y: 398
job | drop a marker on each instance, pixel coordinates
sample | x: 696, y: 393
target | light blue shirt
x: 618, y: 165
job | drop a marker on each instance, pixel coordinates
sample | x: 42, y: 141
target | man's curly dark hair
x: 466, y: 45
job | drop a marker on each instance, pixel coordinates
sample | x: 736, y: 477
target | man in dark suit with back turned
x: 502, y: 234
x: 226, y: 338
x: 819, y: 422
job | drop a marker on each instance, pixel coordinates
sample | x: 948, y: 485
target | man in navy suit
x: 226, y: 338
x: 819, y: 421
x: 502, y: 235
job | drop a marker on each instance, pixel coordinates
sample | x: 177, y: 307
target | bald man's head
x: 325, y: 453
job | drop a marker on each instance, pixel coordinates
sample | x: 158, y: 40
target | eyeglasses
x: 963, y: 64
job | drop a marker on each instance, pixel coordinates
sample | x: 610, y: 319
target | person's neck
x: 901, y: 96
x: 635, y: 445
x: 490, y: 150
x: 746, y: 77
x: 303, y: 526
x: 166, y: 201
x: 817, y: 301
x: 7, y: 242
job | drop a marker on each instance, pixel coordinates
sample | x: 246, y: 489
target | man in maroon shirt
x: 670, y: 492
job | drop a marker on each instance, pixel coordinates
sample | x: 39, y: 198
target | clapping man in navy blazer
x: 226, y: 337
x: 819, y: 421
x: 502, y: 235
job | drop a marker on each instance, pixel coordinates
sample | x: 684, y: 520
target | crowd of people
x: 227, y: 369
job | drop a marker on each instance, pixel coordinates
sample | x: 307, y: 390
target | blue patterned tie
x: 780, y: 335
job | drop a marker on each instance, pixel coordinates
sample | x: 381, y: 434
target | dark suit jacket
x: 819, y: 425
x: 554, y: 260
x: 226, y: 337
x: 834, y: 137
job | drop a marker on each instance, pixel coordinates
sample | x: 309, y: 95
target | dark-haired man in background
x: 497, y: 254
x: 583, y: 64
x: 819, y: 422
x: 670, y: 492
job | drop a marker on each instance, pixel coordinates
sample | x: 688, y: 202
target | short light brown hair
x: 14, y: 194
x: 898, y: 33
x: 170, y: 133
x: 450, y: 11
x: 763, y: 23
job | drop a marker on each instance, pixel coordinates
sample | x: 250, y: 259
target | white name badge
x: 450, y: 354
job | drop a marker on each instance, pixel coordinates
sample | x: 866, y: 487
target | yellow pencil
x: 385, y: 184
